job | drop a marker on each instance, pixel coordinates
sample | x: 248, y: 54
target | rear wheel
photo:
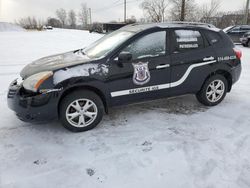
x: 213, y: 91
x: 81, y: 110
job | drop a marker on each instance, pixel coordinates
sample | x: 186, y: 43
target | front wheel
x: 81, y: 110
x: 213, y: 91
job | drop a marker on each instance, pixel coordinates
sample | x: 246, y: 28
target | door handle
x: 162, y: 66
x: 211, y: 58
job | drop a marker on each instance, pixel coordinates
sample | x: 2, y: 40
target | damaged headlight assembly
x: 33, y: 82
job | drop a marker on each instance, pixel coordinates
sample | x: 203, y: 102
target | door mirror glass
x: 125, y: 57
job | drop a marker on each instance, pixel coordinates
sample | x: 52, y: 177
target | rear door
x: 147, y: 75
x: 191, y: 60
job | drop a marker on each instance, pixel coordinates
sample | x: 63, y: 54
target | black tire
x: 248, y: 43
x: 81, y: 96
x: 206, y: 88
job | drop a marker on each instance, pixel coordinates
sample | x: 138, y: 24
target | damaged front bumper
x: 31, y: 107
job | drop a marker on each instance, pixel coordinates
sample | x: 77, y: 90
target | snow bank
x: 9, y: 27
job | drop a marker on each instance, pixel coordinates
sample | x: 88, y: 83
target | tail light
x: 238, y: 53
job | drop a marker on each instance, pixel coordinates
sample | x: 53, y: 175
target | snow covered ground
x: 174, y: 143
x: 4, y: 26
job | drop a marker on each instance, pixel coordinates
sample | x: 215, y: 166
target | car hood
x: 55, y: 62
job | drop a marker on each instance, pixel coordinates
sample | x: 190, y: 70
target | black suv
x: 236, y: 32
x: 133, y: 64
x: 245, y: 39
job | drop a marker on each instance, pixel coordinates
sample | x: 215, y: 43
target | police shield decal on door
x: 141, y: 73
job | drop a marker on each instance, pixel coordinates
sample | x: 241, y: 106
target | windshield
x: 107, y: 43
x: 227, y: 28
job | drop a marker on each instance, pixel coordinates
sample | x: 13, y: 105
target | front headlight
x: 33, y: 82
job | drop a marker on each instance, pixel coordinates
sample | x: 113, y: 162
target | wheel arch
x: 83, y: 87
x: 224, y: 73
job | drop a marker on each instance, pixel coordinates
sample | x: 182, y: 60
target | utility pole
x: 246, y: 13
x: 0, y: 10
x: 125, y: 11
x: 90, y: 16
x: 183, y: 4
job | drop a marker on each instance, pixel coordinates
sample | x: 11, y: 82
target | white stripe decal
x: 162, y: 86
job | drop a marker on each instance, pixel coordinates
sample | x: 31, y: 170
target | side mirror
x: 124, y: 57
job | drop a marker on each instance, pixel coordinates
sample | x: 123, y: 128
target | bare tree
x: 83, y: 15
x: 62, y: 16
x: 210, y: 10
x: 54, y: 22
x: 72, y: 19
x: 31, y: 23
x: 131, y: 20
x: 155, y: 10
x: 231, y: 18
x: 183, y: 10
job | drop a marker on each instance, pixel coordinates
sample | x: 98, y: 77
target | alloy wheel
x: 215, y: 91
x: 81, y: 112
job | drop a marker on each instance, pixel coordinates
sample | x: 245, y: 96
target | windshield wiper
x: 80, y: 50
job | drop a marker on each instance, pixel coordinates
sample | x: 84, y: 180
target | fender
x: 73, y: 84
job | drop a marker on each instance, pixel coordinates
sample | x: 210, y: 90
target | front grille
x: 12, y: 93
x: 13, y: 89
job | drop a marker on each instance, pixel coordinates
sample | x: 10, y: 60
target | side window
x: 245, y: 28
x: 151, y: 45
x: 187, y: 40
x: 212, y: 37
x: 235, y: 30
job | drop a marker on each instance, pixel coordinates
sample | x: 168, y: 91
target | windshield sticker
x: 186, y: 46
x: 141, y: 73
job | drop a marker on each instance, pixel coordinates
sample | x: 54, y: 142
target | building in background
x: 227, y: 19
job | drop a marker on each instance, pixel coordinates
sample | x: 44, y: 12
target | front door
x: 147, y: 75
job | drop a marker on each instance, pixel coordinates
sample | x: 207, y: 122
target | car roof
x: 142, y: 27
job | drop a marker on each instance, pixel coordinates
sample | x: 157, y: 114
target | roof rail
x: 195, y: 24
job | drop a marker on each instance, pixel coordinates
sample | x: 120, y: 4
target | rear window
x: 212, y: 37
x: 245, y: 28
x: 187, y: 40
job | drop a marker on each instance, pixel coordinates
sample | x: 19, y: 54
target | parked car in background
x: 236, y: 32
x: 47, y: 27
x: 245, y: 39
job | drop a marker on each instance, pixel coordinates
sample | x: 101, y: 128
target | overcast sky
x: 102, y: 10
